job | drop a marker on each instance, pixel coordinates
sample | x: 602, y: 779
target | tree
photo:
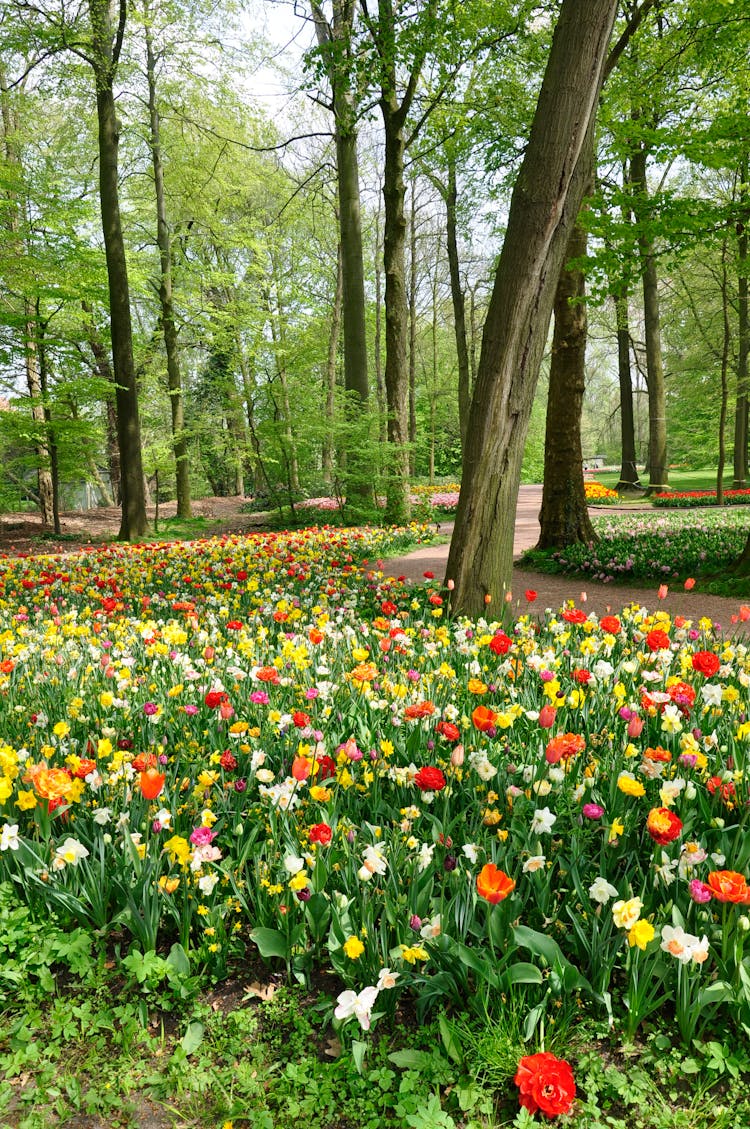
x: 564, y: 517
x: 106, y: 45
x: 336, y: 51
x: 166, y: 301
x: 544, y: 205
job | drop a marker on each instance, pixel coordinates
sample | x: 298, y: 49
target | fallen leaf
x: 333, y: 1048
x: 264, y: 992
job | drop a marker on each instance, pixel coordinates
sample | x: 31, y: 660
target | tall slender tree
x: 107, y: 30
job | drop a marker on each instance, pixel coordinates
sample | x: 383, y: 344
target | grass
x: 702, y: 479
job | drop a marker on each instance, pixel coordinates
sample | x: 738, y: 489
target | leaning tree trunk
x: 657, y: 405
x: 106, y: 50
x: 629, y: 481
x: 564, y: 517
x: 544, y: 206
x: 169, y: 329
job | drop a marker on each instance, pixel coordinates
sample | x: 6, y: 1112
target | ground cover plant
x: 260, y: 748
x: 645, y: 546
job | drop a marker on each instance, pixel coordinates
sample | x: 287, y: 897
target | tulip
x: 151, y: 783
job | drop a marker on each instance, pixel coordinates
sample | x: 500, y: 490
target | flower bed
x: 599, y: 495
x: 645, y: 546
x: 688, y: 499
x: 259, y: 743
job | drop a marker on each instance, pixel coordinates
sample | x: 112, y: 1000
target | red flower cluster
x: 574, y: 615
x: 706, y: 662
x: 430, y: 779
x: 610, y: 624
x: 321, y: 833
x: 448, y: 730
x: 500, y: 643
x: 657, y: 640
x: 546, y: 1084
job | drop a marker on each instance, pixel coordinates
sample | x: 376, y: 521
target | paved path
x: 553, y: 591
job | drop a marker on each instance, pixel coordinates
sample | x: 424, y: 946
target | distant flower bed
x: 686, y: 499
x: 650, y: 546
x: 600, y: 495
x: 441, y: 498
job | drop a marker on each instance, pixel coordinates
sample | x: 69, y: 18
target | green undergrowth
x: 90, y: 1038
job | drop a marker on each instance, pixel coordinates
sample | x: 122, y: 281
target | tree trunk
x: 333, y: 348
x: 544, y: 206
x: 396, y: 320
x: 378, y: 343
x: 743, y: 343
x: 163, y: 239
x: 335, y: 42
x: 726, y: 343
x: 564, y: 517
x: 657, y: 406
x: 106, y: 49
x: 51, y: 437
x: 629, y: 480
x: 450, y: 197
x: 103, y: 369
x: 38, y: 414
x: 412, y: 328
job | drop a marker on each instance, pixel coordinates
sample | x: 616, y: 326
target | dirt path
x: 23, y: 533
x: 554, y: 591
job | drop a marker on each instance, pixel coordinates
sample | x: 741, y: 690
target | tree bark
x: 629, y: 480
x: 169, y: 329
x: 743, y: 341
x: 564, y: 517
x: 396, y: 317
x: 450, y: 196
x: 106, y: 44
x: 412, y: 327
x: 544, y: 205
x: 51, y: 437
x: 331, y: 366
x: 38, y: 414
x: 657, y: 405
x: 103, y: 369
x: 726, y: 343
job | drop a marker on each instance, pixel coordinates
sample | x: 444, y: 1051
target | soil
x: 24, y: 532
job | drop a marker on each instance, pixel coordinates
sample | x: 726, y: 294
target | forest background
x: 309, y: 232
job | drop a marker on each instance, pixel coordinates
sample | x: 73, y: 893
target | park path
x: 554, y: 591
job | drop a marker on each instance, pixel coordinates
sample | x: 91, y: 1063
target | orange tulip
x: 729, y: 886
x: 151, y: 782
x: 483, y: 718
x: 494, y: 885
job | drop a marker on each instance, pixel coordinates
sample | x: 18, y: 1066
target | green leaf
x: 524, y: 973
x: 359, y: 1050
x: 193, y: 1037
x: 450, y: 1039
x: 179, y: 960
x: 539, y: 944
x: 270, y: 942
